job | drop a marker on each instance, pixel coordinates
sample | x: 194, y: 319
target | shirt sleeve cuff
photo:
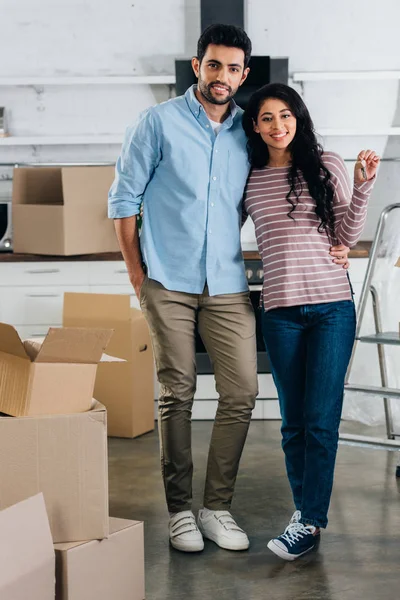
x: 365, y: 187
x: 122, y: 212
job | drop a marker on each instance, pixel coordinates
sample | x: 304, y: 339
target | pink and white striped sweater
x: 298, y: 268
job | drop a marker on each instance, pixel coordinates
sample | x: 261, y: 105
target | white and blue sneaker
x: 296, y: 518
x: 297, y: 539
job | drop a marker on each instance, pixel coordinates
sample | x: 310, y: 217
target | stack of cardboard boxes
x: 53, y: 440
x: 62, y: 211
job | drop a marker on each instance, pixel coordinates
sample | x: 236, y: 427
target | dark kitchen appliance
x: 263, y: 70
x: 5, y: 227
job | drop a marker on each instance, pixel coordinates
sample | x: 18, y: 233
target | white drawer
x: 117, y: 289
x: 32, y: 331
x: 357, y: 287
x: 34, y: 305
x: 206, y: 387
x: 357, y: 270
x: 108, y: 273
x: 44, y: 273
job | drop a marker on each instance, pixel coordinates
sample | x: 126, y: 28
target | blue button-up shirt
x: 191, y: 182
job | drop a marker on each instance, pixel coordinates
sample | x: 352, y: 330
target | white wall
x: 138, y: 37
x: 327, y: 36
x: 60, y: 37
x: 92, y: 38
x: 341, y: 36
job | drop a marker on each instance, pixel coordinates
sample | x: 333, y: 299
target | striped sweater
x: 298, y: 268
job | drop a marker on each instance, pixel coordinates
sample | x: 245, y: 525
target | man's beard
x: 206, y: 92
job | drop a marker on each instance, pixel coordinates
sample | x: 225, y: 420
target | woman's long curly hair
x: 306, y: 153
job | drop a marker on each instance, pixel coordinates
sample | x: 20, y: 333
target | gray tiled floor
x: 359, y: 555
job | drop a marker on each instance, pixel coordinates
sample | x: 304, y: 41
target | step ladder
x: 381, y: 339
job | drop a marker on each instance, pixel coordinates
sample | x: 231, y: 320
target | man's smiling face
x: 220, y: 73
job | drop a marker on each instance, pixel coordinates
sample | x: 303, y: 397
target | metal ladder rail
x: 384, y: 391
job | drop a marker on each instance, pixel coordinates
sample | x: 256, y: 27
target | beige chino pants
x: 227, y: 327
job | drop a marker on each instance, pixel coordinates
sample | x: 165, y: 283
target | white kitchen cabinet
x: 31, y: 293
x: 43, y: 273
x: 32, y: 331
x: 108, y: 273
x: 358, y: 267
x: 31, y: 299
x: 35, y: 305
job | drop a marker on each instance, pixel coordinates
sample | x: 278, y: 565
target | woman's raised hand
x: 366, y: 166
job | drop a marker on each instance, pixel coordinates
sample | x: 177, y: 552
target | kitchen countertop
x: 361, y: 250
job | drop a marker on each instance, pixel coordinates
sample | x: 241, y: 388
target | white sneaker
x: 184, y: 534
x: 220, y: 527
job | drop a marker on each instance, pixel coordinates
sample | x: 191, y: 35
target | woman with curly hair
x: 301, y: 202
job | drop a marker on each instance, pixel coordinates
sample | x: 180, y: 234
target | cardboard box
x: 62, y: 210
x: 126, y: 389
x: 112, y: 568
x: 26, y: 552
x: 55, y: 376
x: 65, y: 457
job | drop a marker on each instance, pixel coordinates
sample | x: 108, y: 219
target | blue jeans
x: 309, y: 348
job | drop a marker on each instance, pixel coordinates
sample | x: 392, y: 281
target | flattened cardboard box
x: 111, y: 568
x: 126, y: 389
x: 26, y: 552
x: 65, y: 457
x: 53, y: 377
x: 62, y: 210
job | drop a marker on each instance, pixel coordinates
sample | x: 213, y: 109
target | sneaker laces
x: 295, y: 532
x: 295, y: 517
x: 225, y: 518
x: 184, y: 524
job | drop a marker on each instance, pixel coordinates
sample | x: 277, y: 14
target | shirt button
x: 212, y: 203
x: 216, y: 151
x: 214, y: 178
x: 210, y: 231
x: 207, y: 126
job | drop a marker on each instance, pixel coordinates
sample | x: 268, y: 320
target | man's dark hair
x: 224, y: 35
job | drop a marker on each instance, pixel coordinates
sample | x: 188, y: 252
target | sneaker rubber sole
x: 226, y: 544
x: 185, y: 546
x: 286, y: 555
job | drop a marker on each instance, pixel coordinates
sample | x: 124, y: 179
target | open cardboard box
x: 62, y: 210
x: 26, y: 552
x: 126, y: 389
x: 53, y: 376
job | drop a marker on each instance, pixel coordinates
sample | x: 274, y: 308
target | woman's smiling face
x: 276, y: 124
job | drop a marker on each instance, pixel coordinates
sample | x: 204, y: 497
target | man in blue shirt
x: 186, y: 160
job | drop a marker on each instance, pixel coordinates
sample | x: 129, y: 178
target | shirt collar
x: 197, y: 108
